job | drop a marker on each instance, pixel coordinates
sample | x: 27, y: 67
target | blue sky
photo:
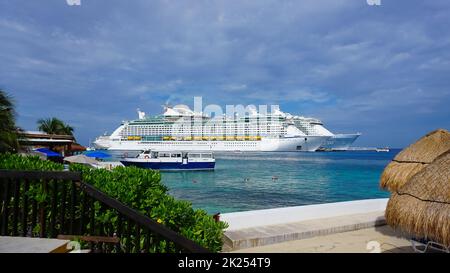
x: 380, y: 70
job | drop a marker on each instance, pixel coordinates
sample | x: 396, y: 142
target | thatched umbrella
x: 414, y: 158
x: 422, y: 206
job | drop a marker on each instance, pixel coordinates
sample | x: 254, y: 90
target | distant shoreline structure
x: 350, y: 149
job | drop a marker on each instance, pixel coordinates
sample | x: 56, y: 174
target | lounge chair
x: 422, y: 245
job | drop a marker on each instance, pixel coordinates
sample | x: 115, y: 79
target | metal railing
x: 49, y: 204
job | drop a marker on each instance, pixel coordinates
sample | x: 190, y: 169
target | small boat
x: 159, y: 160
x: 382, y: 149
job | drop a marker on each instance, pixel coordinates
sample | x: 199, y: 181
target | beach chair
x: 422, y: 245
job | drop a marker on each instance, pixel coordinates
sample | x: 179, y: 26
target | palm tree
x: 68, y: 129
x: 8, y: 130
x: 54, y: 126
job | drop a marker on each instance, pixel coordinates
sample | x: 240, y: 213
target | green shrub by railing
x: 140, y: 189
x: 17, y: 162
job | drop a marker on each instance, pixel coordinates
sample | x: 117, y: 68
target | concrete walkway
x: 9, y: 244
x: 266, y: 235
x: 374, y: 239
x: 277, y: 216
x: 266, y: 227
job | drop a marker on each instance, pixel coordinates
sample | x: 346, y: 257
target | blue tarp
x: 98, y: 155
x: 48, y: 152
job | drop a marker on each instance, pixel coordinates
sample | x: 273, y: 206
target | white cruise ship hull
x: 340, y: 142
x: 288, y: 144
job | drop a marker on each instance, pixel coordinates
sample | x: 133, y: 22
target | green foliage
x: 54, y: 126
x: 140, y: 189
x: 205, y: 230
x: 17, y: 162
x: 8, y: 130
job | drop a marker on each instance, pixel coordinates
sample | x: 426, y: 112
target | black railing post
x: 128, y: 236
x: 26, y: 187
x: 137, y: 239
x: 73, y: 199
x: 5, y: 214
x: 15, y: 216
x: 43, y: 212
x: 119, y: 231
x: 147, y: 240
x: 2, y: 190
x: 54, y: 209
x: 34, y: 211
x: 92, y: 217
x: 84, y: 205
x: 62, y: 215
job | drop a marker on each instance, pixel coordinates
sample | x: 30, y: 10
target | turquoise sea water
x: 249, y: 181
x: 268, y: 180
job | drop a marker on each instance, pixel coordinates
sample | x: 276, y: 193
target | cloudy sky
x: 380, y: 70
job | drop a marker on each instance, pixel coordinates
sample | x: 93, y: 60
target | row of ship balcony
x: 190, y: 138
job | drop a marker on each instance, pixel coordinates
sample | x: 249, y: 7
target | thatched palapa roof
x: 422, y: 206
x: 414, y: 158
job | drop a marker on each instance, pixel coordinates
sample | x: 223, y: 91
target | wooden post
x: 69, y: 149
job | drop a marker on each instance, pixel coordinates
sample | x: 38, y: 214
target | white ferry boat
x: 181, y: 129
x: 172, y: 160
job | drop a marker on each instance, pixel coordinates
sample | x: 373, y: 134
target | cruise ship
x: 181, y: 129
x: 315, y: 127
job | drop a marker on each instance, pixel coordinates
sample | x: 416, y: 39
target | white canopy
x: 82, y: 159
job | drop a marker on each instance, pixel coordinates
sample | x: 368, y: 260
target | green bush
x: 140, y: 189
x: 17, y: 162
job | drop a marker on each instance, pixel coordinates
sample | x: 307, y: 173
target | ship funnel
x: 140, y: 114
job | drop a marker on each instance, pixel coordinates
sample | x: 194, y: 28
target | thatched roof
x: 422, y: 206
x: 414, y: 158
